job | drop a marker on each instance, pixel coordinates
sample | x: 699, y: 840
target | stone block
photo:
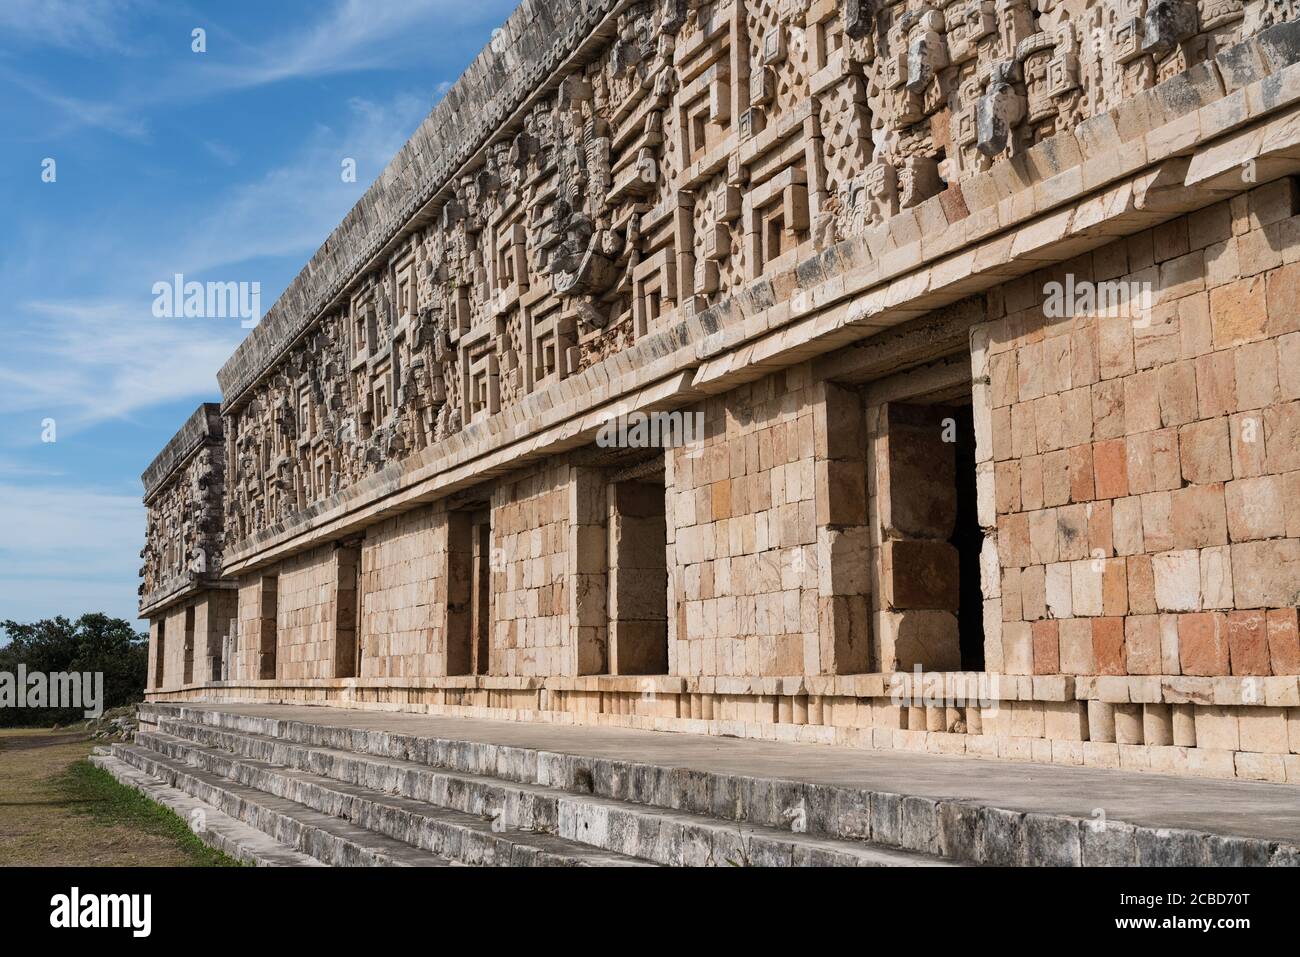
x: 919, y: 575
x: 922, y: 637
x: 1248, y: 643
x: 1217, y: 729
x: 1203, y: 644
x: 1216, y: 577
x: 1110, y: 468
x: 1238, y: 311
x: 1177, y: 580
x: 1086, y: 587
x: 1126, y: 526
x: 1283, y: 641
x: 1076, y: 647
x: 1141, y: 585
x: 1052, y: 841
x: 1199, y: 516
x: 1002, y: 837
x: 1108, y: 844
x: 1263, y: 730
x: 1168, y: 847
x: 1266, y: 574
x: 1047, y: 655
x: 1108, y: 646
x: 1017, y: 648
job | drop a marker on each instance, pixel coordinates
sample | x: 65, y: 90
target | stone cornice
x: 203, y: 426
x: 179, y: 589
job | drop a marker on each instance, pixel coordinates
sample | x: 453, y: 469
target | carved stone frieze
x: 691, y: 145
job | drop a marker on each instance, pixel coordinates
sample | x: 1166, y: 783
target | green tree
x: 93, y: 643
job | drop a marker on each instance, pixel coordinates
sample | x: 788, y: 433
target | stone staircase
x: 276, y: 792
x: 285, y: 785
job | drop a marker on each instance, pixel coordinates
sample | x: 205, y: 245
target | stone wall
x: 533, y: 596
x: 698, y: 148
x: 835, y: 231
x: 306, y: 629
x: 184, y: 499
x: 765, y: 521
x: 1142, y: 462
x: 193, y: 636
x: 403, y: 566
x: 256, y: 618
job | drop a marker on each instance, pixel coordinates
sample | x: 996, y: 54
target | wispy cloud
x: 103, y: 356
x: 75, y: 113
x: 68, y: 550
x: 87, y: 26
x: 169, y: 162
x: 294, y: 207
x: 221, y: 152
x: 351, y: 36
x: 109, y: 363
x: 12, y: 469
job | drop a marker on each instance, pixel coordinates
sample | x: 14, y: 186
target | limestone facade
x: 987, y: 315
x: 182, y: 593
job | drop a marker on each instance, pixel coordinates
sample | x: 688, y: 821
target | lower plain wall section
x: 403, y: 596
x: 305, y: 616
x: 188, y: 640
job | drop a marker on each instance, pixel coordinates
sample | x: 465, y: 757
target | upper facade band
x: 183, y: 492
x: 604, y: 168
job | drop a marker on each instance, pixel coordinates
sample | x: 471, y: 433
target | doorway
x: 638, y: 576
x: 469, y: 591
x: 968, y: 539
x: 160, y: 654
x: 188, y: 671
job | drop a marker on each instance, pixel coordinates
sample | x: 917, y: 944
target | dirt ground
x: 55, y: 809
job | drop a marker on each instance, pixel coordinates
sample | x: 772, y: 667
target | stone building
x: 970, y: 333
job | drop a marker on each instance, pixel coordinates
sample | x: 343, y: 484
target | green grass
x: 96, y: 793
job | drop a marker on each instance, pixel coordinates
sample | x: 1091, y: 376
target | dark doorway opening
x: 638, y: 576
x: 160, y: 654
x: 188, y: 671
x: 269, y: 636
x: 347, y: 610
x: 968, y: 539
x: 469, y: 591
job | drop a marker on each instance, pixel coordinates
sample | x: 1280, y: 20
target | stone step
x: 1019, y: 817
x: 218, y: 830
x: 327, y: 839
x: 765, y: 802
x: 664, y: 836
x: 467, y: 836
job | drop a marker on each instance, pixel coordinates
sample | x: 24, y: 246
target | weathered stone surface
x: 706, y: 379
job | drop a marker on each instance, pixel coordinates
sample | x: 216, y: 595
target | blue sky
x: 223, y: 166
